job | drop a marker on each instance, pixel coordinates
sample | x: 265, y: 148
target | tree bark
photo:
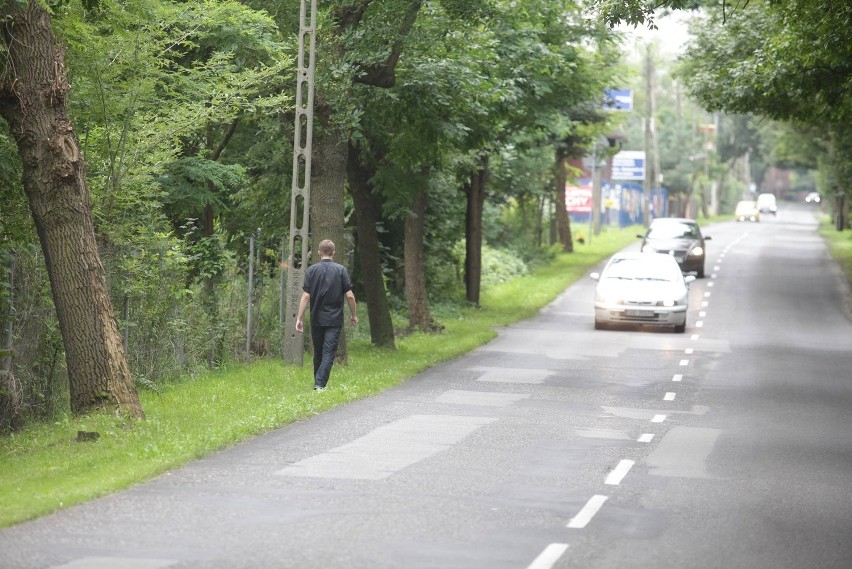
x: 328, y: 180
x: 563, y: 222
x: 367, y: 219
x: 33, y: 89
x: 419, y: 317
x: 475, y: 191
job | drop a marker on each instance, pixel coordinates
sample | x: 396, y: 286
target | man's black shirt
x: 327, y: 282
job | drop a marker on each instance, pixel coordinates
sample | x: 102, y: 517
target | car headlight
x: 697, y: 251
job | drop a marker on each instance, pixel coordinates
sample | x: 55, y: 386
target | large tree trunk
x: 563, y: 222
x: 367, y: 219
x: 419, y: 317
x: 475, y: 191
x: 328, y: 179
x: 33, y: 89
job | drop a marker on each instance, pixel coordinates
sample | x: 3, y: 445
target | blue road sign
x: 618, y: 100
x: 628, y: 165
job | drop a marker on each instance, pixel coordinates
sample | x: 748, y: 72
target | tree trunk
x: 367, y: 219
x: 475, y: 191
x: 328, y: 179
x: 33, y: 91
x: 563, y: 222
x: 419, y: 317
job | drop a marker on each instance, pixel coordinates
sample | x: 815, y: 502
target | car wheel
x: 599, y: 325
x: 701, y: 272
x: 680, y: 328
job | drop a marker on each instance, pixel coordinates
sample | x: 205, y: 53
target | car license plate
x: 639, y: 313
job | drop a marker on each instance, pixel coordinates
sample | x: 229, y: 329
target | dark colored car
x: 679, y: 237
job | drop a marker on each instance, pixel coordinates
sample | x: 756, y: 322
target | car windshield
x: 642, y: 270
x: 673, y: 231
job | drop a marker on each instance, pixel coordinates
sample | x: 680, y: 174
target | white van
x: 766, y: 204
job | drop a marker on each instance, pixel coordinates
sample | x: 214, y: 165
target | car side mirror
x: 640, y: 236
x: 595, y: 276
x: 688, y: 278
x: 707, y: 238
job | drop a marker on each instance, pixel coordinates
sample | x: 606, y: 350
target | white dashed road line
x: 646, y: 438
x: 619, y: 472
x: 677, y: 377
x: 588, y: 512
x: 548, y: 558
x: 658, y: 419
x: 670, y: 396
x: 684, y: 363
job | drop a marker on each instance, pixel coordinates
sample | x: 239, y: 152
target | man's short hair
x: 326, y: 247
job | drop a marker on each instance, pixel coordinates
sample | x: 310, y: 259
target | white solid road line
x: 588, y: 512
x: 548, y: 558
x: 646, y: 438
x: 619, y: 472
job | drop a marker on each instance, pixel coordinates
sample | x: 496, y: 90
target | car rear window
x: 672, y: 231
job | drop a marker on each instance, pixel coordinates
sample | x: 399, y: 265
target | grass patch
x: 839, y: 245
x: 43, y: 468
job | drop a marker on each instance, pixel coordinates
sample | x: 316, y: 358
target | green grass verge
x: 43, y: 468
x: 839, y: 245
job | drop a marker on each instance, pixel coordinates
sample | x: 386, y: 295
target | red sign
x: 578, y: 199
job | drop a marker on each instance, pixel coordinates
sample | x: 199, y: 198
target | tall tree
x: 786, y: 60
x: 33, y: 91
x: 368, y: 218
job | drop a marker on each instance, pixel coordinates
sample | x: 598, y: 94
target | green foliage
x: 785, y: 60
x: 193, y: 182
x: 639, y: 12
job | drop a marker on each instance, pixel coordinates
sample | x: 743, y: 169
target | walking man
x: 326, y: 285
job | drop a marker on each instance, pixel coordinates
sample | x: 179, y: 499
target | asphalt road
x: 729, y: 446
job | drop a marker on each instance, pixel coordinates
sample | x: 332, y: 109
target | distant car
x: 766, y: 203
x: 747, y: 211
x: 643, y: 289
x: 813, y: 197
x: 680, y: 238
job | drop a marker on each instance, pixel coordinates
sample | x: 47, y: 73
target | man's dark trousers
x: 325, y: 340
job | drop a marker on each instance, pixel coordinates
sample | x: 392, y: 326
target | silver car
x: 647, y: 289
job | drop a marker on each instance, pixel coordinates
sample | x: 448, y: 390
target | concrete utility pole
x: 650, y: 137
x: 300, y: 199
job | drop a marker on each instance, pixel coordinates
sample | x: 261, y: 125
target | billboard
x: 628, y: 165
x: 578, y: 199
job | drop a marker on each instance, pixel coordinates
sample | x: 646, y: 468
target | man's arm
x: 303, y: 303
x: 353, y: 307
